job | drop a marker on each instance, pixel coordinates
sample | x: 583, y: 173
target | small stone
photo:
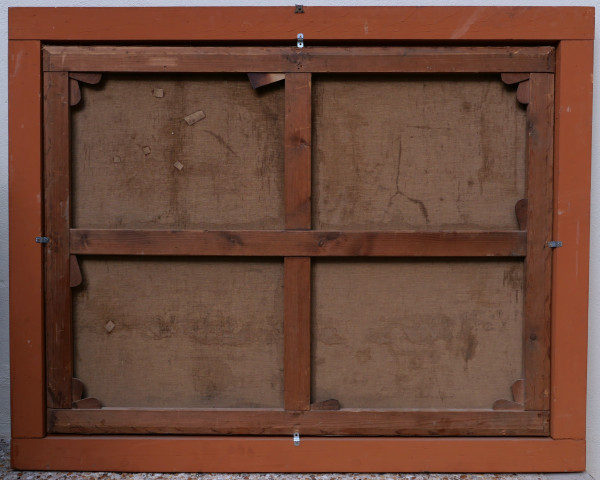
x: 178, y: 165
x: 158, y: 92
x: 110, y: 326
x: 146, y: 150
x: 116, y: 159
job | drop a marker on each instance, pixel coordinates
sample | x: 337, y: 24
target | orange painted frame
x: 570, y: 28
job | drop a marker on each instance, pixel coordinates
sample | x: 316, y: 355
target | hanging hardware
x: 554, y: 244
x: 300, y: 41
x: 299, y: 9
x: 42, y: 240
x: 296, y: 439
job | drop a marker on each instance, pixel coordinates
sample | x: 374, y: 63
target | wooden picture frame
x: 554, y: 69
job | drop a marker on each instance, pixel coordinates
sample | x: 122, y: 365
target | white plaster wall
x: 593, y: 409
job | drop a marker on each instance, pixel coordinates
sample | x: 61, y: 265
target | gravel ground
x: 7, y: 474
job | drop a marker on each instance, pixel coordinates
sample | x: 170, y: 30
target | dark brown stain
x: 221, y: 141
x: 233, y: 239
x: 162, y: 327
x: 486, y: 171
x: 174, y: 137
x: 330, y: 336
x: 213, y: 380
x: 416, y: 201
x: 364, y: 356
x: 218, y: 328
x: 471, y: 345
x: 466, y: 340
x: 513, y: 277
x: 328, y: 237
x: 439, y: 327
x: 427, y: 127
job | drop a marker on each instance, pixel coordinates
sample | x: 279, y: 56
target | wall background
x: 593, y: 408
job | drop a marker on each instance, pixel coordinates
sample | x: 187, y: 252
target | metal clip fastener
x: 299, y: 9
x: 300, y: 41
x: 296, y: 439
x: 554, y: 244
x: 42, y: 239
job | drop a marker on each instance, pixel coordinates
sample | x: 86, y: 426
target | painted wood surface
x: 25, y: 210
x: 450, y: 24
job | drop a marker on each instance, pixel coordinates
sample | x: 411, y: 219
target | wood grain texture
x: 317, y: 23
x: 511, y: 78
x: 278, y: 422
x: 75, y: 277
x: 518, y: 391
x: 524, y: 92
x: 416, y: 333
x: 77, y: 389
x: 518, y: 398
x: 258, y: 80
x: 538, y: 266
x: 508, y: 405
x: 88, y: 403
x: 74, y: 92
x: 91, y: 78
x: 59, y: 347
x: 25, y: 211
x: 521, y: 213
x: 298, y: 151
x: 297, y: 276
x: 180, y: 332
x: 298, y: 243
x: 573, y: 146
x: 75, y: 88
x: 137, y: 163
x: 297, y: 333
x: 386, y: 155
x: 295, y: 60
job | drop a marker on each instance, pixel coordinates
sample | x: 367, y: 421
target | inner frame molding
x: 295, y: 60
x: 297, y: 178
